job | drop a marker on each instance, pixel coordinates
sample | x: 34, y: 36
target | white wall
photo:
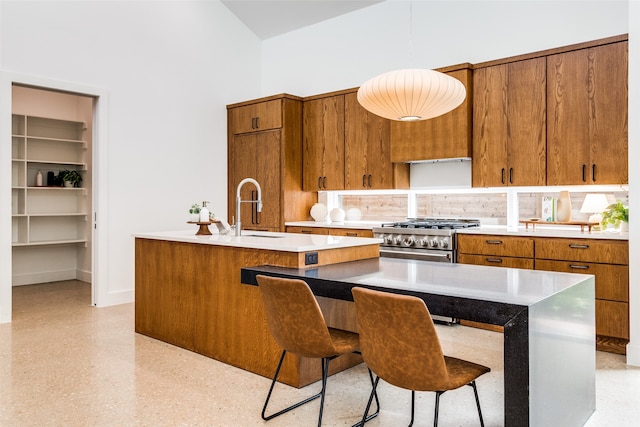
x: 348, y: 50
x: 169, y: 69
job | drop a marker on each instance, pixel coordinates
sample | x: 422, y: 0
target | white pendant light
x: 411, y: 95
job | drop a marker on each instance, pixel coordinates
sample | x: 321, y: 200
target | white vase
x: 563, y: 208
x: 319, y: 212
x: 337, y: 215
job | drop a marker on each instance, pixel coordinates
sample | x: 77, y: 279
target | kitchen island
x: 548, y: 320
x: 188, y: 293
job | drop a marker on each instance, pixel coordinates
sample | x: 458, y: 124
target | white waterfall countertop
x: 284, y: 242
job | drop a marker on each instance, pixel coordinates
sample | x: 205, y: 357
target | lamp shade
x: 411, y: 95
x: 594, y: 203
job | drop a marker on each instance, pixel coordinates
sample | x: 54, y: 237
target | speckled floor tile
x: 65, y: 363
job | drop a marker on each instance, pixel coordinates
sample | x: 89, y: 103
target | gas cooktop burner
x: 435, y: 223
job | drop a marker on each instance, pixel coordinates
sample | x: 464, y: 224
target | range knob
x: 433, y: 243
x: 388, y: 239
x: 408, y: 241
x: 444, y: 243
x: 397, y: 240
x: 423, y: 242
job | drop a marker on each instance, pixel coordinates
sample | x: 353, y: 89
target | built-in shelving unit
x: 46, y: 214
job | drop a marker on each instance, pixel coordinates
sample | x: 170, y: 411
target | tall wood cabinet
x: 323, y: 143
x: 44, y: 213
x: 587, y: 126
x: 346, y: 147
x: 264, y: 143
x: 509, y: 134
x: 443, y: 137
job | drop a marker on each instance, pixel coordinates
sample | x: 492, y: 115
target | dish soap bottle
x: 204, y: 212
x: 39, y: 179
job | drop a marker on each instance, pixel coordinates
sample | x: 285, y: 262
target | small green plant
x: 195, y: 209
x: 71, y: 176
x: 615, y: 214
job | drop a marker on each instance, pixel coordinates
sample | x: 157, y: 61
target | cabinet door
x: 258, y: 156
x: 484, y: 244
x: 444, y: 137
x: 489, y: 167
x: 256, y: 117
x: 509, y: 140
x: 496, y: 261
x: 323, y: 144
x: 526, y: 127
x: 587, y: 116
x: 367, y: 144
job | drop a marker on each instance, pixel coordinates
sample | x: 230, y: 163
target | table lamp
x: 594, y: 204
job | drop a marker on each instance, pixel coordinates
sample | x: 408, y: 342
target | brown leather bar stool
x: 400, y: 345
x: 298, y: 326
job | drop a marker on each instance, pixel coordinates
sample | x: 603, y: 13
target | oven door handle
x: 444, y: 256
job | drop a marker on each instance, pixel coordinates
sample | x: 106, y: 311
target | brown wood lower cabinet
x: 333, y: 231
x: 607, y: 260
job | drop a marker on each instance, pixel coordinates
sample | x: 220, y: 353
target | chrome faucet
x: 240, y: 201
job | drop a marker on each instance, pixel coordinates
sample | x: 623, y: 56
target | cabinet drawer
x: 352, y: 232
x: 612, y: 319
x: 612, y: 281
x: 600, y: 251
x: 256, y: 117
x: 484, y: 244
x: 307, y: 230
x: 496, y: 261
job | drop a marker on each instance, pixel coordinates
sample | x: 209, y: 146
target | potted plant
x: 616, y: 214
x: 195, y: 212
x: 70, y: 178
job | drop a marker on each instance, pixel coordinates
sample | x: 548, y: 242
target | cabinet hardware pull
x: 319, y: 182
x: 493, y: 259
x: 364, y: 180
x: 494, y: 242
x: 253, y: 122
x: 369, y: 181
x: 502, y: 175
x: 593, y: 172
x: 584, y: 168
x: 580, y: 267
x: 324, y: 182
x: 257, y: 122
x: 510, y: 175
x: 352, y: 234
x: 579, y: 246
x: 306, y: 231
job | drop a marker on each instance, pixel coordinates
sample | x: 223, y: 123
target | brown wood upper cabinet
x: 256, y: 117
x: 323, y: 143
x: 587, y: 110
x: 444, y: 137
x: 367, y: 146
x: 509, y: 139
x: 346, y: 147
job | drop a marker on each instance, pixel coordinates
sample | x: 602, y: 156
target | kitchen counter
x: 283, y: 242
x: 548, y: 319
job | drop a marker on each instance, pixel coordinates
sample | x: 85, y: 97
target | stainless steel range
x: 430, y: 239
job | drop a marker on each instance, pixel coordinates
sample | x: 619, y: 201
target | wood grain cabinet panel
x: 307, y: 230
x: 509, y: 131
x: 443, y: 137
x: 586, y: 250
x: 496, y: 261
x: 496, y: 245
x: 256, y: 117
x: 612, y: 320
x: 587, y: 104
x: 333, y: 231
x: 323, y: 143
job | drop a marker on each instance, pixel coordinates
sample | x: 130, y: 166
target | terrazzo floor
x: 65, y: 363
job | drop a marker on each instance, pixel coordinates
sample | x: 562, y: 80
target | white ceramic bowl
x: 337, y: 215
x: 354, y: 214
x: 319, y: 212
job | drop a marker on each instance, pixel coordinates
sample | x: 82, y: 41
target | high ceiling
x: 268, y: 18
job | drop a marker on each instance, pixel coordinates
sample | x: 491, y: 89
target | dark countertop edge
x: 496, y: 313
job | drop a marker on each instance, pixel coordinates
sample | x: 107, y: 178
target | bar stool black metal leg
x: 475, y: 392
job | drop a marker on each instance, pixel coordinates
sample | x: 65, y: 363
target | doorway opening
x: 51, y: 186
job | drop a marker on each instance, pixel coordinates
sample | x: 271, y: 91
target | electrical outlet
x: 310, y: 258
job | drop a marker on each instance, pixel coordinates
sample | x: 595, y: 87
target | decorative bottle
x: 204, y: 213
x: 563, y: 210
x: 39, y: 179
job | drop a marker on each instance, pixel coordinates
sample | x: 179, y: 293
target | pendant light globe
x: 411, y: 94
